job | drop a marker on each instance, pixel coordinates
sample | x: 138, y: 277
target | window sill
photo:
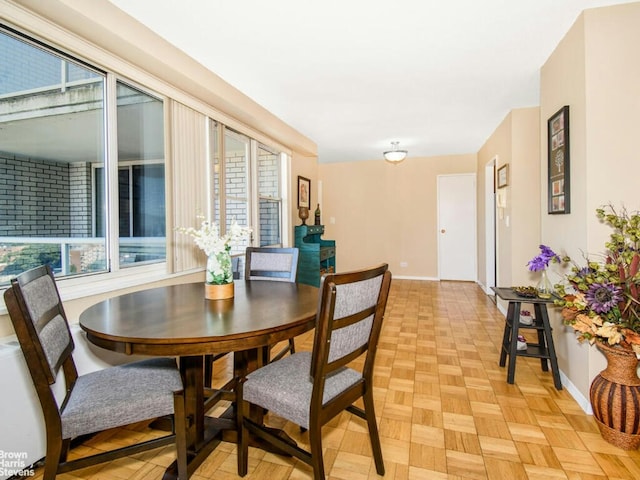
x: 101, y: 283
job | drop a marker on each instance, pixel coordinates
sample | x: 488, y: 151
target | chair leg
x: 66, y: 446
x: 373, y: 431
x: 243, y: 446
x: 292, y: 346
x: 56, y: 454
x: 180, y: 427
x: 315, y: 444
x: 242, y: 409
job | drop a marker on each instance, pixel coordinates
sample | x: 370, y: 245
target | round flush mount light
x: 395, y: 155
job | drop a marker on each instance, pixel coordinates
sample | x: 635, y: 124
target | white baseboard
x: 584, y: 403
x: 407, y: 277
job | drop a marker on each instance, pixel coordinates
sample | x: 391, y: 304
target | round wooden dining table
x: 178, y: 320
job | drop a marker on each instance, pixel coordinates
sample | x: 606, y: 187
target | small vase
x: 219, y: 292
x: 615, y: 398
x: 219, y: 276
x: 544, y: 287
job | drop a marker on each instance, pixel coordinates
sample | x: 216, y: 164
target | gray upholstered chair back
x: 49, y: 333
x: 349, y: 319
x: 352, y: 299
x: 266, y: 263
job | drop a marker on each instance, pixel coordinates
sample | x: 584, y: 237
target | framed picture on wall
x: 503, y: 175
x: 558, y: 186
x: 304, y: 192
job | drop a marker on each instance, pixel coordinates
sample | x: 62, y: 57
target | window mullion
x: 253, y: 193
x: 111, y: 187
x: 222, y: 176
x: 284, y: 173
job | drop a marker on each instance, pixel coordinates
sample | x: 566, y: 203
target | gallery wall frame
x: 558, y: 178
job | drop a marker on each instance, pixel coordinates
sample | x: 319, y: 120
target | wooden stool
x: 543, y: 349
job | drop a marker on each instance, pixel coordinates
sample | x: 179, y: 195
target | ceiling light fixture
x: 395, y: 155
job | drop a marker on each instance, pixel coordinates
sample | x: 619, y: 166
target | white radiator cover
x: 22, y: 429
x: 20, y: 414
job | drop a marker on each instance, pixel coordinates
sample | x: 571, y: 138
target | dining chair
x: 262, y: 263
x: 311, y: 388
x: 275, y: 264
x: 235, y: 267
x: 271, y: 263
x: 97, y: 401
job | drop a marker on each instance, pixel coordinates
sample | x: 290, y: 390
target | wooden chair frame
x: 320, y: 368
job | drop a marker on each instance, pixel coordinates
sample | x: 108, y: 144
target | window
x: 82, y: 169
x: 248, y: 167
x: 54, y: 195
x: 141, y: 200
x: 269, y: 198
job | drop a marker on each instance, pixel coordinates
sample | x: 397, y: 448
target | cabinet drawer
x: 327, y: 252
x: 315, y: 229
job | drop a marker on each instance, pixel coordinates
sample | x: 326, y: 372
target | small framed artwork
x: 558, y: 162
x: 304, y: 192
x: 503, y: 176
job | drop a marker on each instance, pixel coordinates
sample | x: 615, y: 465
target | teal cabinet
x: 317, y: 256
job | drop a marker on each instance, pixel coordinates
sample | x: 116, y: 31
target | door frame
x: 490, y: 244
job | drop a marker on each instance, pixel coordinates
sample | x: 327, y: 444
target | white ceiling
x: 353, y: 75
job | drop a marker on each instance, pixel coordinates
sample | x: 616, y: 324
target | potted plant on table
x: 602, y: 304
x: 539, y: 263
x: 217, y: 247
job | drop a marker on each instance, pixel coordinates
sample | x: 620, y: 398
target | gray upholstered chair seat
x: 121, y: 395
x: 284, y: 387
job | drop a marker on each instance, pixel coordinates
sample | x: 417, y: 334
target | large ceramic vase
x: 615, y: 398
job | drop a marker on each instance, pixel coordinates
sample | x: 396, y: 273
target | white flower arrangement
x: 217, y: 247
x: 208, y: 237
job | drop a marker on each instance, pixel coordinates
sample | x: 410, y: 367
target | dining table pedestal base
x: 211, y: 439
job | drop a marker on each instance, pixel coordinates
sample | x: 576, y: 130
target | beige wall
x: 386, y: 213
x: 514, y: 143
x: 596, y: 71
x: 562, y: 82
x: 304, y: 166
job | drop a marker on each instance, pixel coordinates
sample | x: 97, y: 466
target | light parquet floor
x: 445, y: 410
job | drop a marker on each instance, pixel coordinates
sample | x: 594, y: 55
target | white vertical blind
x: 189, y: 172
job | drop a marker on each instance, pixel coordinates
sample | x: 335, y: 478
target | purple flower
x: 541, y: 261
x: 537, y: 263
x: 602, y: 297
x: 585, y: 271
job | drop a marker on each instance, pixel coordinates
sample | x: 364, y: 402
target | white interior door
x: 457, y: 245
